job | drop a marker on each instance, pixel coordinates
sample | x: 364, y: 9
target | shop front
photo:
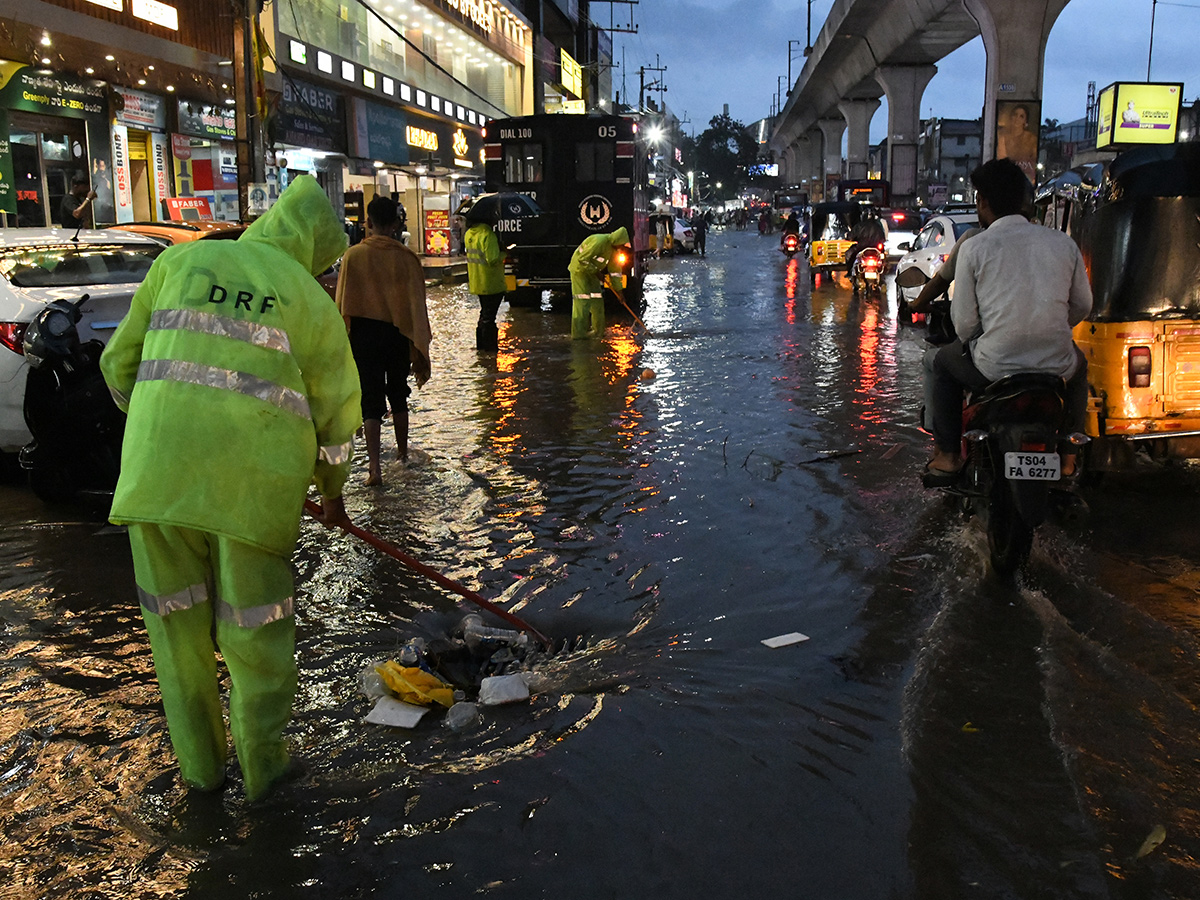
x: 204, y: 159
x: 56, y: 128
x: 308, y: 133
x: 142, y: 150
x: 421, y: 160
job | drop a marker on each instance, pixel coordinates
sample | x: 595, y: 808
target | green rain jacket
x: 235, y: 369
x: 595, y: 254
x: 485, y: 262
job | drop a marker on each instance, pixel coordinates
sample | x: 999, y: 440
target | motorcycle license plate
x: 871, y: 276
x: 1027, y: 466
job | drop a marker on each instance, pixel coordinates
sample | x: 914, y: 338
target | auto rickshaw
x: 1137, y: 222
x: 830, y: 236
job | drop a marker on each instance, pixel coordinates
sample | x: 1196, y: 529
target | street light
x: 1150, y: 55
x: 808, y: 49
x: 806, y: 52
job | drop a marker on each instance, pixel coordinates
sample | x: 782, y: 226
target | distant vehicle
x: 39, y: 265
x: 589, y: 175
x: 875, y: 192
x: 829, y: 237
x: 786, y: 199
x: 902, y: 226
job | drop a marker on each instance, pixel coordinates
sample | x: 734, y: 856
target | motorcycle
x: 77, y: 429
x: 1012, y: 474
x: 790, y: 244
x: 867, y: 273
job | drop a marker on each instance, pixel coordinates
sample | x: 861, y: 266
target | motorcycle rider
x: 1019, y: 290
x: 791, y: 225
x: 867, y: 232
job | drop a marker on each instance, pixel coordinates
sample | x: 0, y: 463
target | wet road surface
x: 939, y: 735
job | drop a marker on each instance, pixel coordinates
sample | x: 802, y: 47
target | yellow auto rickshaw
x: 829, y: 233
x: 1137, y: 222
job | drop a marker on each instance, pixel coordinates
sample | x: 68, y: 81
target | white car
x: 902, y: 226
x: 38, y: 265
x: 684, y: 238
x: 930, y: 248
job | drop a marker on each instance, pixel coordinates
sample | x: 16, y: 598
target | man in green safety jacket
x: 591, y: 259
x: 236, y: 372
x: 485, y: 279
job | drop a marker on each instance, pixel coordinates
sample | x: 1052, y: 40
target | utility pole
x: 790, y: 57
x: 658, y: 83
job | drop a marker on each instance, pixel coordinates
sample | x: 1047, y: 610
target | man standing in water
x: 237, y: 377
x: 381, y: 295
x: 485, y: 279
x: 592, y: 258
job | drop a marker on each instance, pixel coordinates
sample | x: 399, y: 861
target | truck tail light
x: 1139, y: 367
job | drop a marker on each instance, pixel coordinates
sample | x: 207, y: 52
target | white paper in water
x: 785, y: 640
x: 397, y: 713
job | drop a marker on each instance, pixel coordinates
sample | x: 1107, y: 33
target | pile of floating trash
x: 476, y: 666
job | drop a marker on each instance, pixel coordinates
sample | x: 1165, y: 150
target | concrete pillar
x: 903, y: 86
x: 858, y: 115
x: 831, y: 154
x: 787, y: 166
x: 807, y: 155
x: 1014, y: 36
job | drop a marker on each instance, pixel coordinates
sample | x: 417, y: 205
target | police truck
x: 588, y: 172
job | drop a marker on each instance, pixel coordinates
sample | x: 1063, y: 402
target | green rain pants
x: 197, y: 589
x: 587, y: 306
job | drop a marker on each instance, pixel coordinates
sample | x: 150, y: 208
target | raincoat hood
x: 303, y: 225
x: 619, y: 237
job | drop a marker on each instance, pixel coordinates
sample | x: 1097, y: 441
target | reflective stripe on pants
x: 196, y: 587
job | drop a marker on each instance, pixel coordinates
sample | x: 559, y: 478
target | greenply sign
x: 50, y: 93
x: 8, y: 188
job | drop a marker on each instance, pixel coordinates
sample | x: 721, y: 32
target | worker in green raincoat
x: 235, y: 369
x: 485, y: 279
x: 591, y: 259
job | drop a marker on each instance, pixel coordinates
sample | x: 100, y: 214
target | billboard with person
x: 1131, y: 113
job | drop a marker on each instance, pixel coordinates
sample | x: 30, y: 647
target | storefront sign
x: 120, y: 156
x: 142, y: 110
x: 156, y: 13
x: 437, y: 232
x: 312, y: 117
x: 420, y: 137
x: 378, y: 132
x: 189, y: 209
x: 49, y: 93
x: 478, y: 12
x: 8, y: 187
x: 181, y: 146
x: 571, y: 76
x: 116, y: 5
x: 206, y: 121
x: 159, y: 156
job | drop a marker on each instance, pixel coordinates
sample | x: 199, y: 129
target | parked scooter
x: 77, y: 429
x: 866, y: 276
x: 1012, y: 475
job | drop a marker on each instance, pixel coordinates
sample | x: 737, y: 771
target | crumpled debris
x: 415, y: 685
x: 1157, y: 835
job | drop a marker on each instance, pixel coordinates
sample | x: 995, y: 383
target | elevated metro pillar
x: 787, y: 166
x: 858, y: 115
x: 904, y: 86
x: 1014, y: 36
x: 831, y: 157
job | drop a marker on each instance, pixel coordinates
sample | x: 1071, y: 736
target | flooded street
x: 939, y: 736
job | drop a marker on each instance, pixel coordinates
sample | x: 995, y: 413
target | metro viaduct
x: 873, y: 48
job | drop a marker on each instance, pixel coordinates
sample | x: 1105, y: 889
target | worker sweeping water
x: 241, y: 391
x: 595, y: 256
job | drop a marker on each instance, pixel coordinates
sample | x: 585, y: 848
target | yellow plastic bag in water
x: 415, y: 685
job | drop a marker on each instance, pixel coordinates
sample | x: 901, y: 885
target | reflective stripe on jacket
x: 485, y: 262
x: 241, y: 388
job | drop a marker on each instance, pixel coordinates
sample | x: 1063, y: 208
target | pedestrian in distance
x: 660, y: 235
x: 699, y: 225
x: 381, y: 295
x: 595, y: 256
x: 240, y: 389
x: 486, y: 280
x: 75, y: 211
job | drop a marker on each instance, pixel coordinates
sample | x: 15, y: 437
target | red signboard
x: 189, y: 209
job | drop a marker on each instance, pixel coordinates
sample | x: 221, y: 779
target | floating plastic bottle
x: 462, y: 716
x: 475, y: 633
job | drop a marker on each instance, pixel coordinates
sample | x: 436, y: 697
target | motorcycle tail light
x: 1139, y: 367
x: 12, y: 336
x: 1034, y: 446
